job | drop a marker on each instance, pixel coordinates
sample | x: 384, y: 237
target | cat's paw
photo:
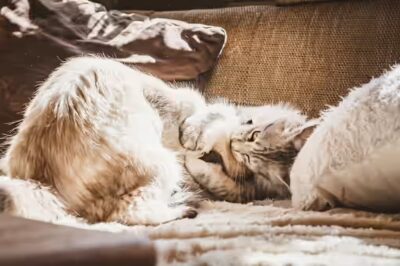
x: 162, y: 215
x: 176, y: 213
x: 317, y: 200
x: 189, y: 213
x: 192, y: 133
x: 189, y: 134
x: 202, y: 130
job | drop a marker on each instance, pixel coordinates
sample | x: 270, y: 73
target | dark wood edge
x: 29, y: 242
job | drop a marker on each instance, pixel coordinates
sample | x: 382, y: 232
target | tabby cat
x: 244, y: 153
x: 103, y: 138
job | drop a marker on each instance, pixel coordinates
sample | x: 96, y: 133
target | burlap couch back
x: 307, y: 54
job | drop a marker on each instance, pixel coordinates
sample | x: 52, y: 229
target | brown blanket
x: 37, y: 35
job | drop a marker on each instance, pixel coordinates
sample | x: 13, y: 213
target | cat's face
x: 269, y: 149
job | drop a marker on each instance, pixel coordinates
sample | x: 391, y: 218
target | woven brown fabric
x: 291, y: 2
x: 305, y: 54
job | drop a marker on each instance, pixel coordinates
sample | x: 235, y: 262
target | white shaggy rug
x: 261, y: 233
x: 271, y: 233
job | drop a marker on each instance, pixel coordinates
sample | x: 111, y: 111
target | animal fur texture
x: 108, y: 142
x: 94, y: 139
x: 246, y: 152
x: 352, y: 157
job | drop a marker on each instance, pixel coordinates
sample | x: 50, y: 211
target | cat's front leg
x: 202, y: 130
x: 162, y: 200
x: 212, y: 178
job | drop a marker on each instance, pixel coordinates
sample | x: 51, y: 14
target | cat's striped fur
x: 261, y: 143
x: 102, y: 138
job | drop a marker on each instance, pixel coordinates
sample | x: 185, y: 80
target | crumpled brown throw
x: 37, y: 35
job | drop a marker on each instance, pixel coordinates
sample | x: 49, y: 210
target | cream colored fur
x: 92, y: 134
x: 352, y: 157
x: 250, y: 169
x: 102, y: 138
x: 31, y: 200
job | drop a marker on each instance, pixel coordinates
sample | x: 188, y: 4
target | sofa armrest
x: 28, y: 242
x: 162, y: 5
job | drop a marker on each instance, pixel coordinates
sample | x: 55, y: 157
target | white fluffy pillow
x: 353, y: 157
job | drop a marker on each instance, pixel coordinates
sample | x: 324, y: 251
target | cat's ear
x: 304, y: 132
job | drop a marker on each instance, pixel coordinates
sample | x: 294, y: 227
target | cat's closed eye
x: 253, y: 135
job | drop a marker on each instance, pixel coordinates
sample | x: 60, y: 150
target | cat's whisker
x: 283, y: 182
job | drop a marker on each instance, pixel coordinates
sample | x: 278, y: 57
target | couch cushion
x: 306, y: 54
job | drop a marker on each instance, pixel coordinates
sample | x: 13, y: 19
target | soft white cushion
x: 353, y: 157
